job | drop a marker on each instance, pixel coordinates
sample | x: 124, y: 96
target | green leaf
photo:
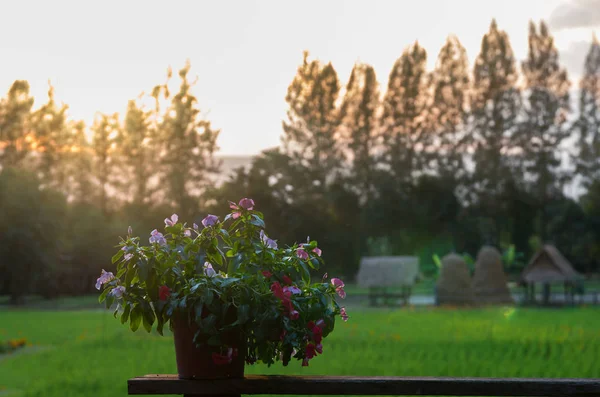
x: 102, y: 296
x: 257, y: 221
x: 208, y: 297
x: 183, y: 302
x: 148, y: 319
x: 243, y: 314
x: 135, y: 318
x: 437, y: 261
x: 130, y: 274
x: 214, y: 340
x: 142, y: 271
x: 229, y: 281
x: 125, y: 315
x: 117, y: 256
x: 159, y: 326
x: 198, y: 310
x: 109, y: 301
x: 208, y: 324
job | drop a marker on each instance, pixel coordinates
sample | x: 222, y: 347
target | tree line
x: 438, y: 161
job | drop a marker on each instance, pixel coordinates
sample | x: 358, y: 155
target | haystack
x: 489, y: 281
x: 454, y: 284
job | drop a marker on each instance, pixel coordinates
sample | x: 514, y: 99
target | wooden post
x: 546, y: 294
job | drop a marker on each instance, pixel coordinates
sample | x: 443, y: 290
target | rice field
x: 89, y: 353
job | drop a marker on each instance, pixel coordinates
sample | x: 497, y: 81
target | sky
x: 101, y: 54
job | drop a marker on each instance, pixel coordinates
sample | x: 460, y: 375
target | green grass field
x: 85, y: 353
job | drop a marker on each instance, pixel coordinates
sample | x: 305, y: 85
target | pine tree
x: 543, y: 128
x: 404, y: 121
x: 309, y: 136
x: 494, y: 103
x: 359, y: 117
x: 105, y: 131
x: 15, y: 114
x: 138, y: 150
x: 588, y: 122
x: 53, y: 141
x: 81, y: 166
x: 188, y: 144
x: 450, y: 86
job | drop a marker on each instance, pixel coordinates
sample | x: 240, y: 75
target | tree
x: 450, y: 86
x: 138, y: 150
x: 105, y: 131
x: 495, y: 102
x: 404, y: 121
x: 544, y: 126
x: 359, y: 118
x: 588, y: 122
x: 15, y: 113
x: 31, y: 222
x: 188, y: 144
x: 81, y: 164
x: 309, y: 134
x: 53, y: 141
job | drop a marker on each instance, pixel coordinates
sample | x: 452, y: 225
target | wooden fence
x: 352, y: 385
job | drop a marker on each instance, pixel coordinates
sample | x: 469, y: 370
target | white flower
x: 172, y: 221
x: 208, y: 270
x: 104, y: 278
x: 118, y: 292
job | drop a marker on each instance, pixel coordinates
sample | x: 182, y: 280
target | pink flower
x: 157, y: 237
x: 339, y: 287
x: 104, y: 278
x: 233, y: 205
x: 236, y: 215
x: 247, y: 204
x: 277, y: 290
x: 187, y: 233
x: 129, y: 231
x: 163, y: 292
x: 127, y: 257
x: 317, y: 251
x: 305, y: 362
x: 210, y: 220
x: 294, y: 315
x: 310, y: 351
x: 267, y: 273
x: 195, y: 226
x: 172, y: 221
x: 287, y: 280
x: 301, y: 253
x: 319, y: 348
x: 343, y: 314
x: 224, y: 359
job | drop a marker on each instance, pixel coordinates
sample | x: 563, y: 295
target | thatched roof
x: 489, y: 281
x: 454, y: 284
x: 388, y: 271
x: 549, y: 265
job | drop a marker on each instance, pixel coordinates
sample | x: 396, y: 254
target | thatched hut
x: 381, y: 274
x: 549, y: 266
x: 454, y: 284
x: 489, y: 281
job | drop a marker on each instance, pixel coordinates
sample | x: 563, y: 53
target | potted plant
x: 228, y: 292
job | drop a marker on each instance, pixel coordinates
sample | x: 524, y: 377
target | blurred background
x: 382, y: 129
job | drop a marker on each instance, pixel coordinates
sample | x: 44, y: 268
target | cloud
x: 576, y: 14
x: 573, y: 57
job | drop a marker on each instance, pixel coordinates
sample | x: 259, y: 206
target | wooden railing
x: 352, y: 385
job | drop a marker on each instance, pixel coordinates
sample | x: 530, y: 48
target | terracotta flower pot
x: 197, y: 362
